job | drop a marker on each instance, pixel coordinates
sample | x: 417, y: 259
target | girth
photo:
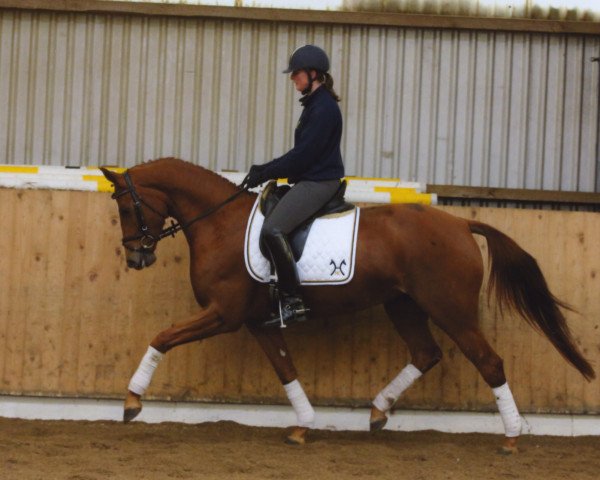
x: 271, y: 196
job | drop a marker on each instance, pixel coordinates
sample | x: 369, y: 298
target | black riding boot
x: 291, y: 306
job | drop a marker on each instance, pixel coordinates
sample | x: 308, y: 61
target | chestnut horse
x: 419, y: 262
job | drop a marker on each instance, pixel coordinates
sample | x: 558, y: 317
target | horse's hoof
x: 509, y: 447
x: 297, y: 437
x: 377, y: 425
x: 132, y: 407
x: 130, y: 413
x: 294, y: 441
x: 378, y: 420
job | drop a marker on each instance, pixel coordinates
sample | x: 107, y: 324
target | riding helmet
x: 308, y: 57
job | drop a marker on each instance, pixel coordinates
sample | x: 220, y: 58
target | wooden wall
x: 74, y: 321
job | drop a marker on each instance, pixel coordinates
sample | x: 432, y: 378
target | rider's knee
x: 270, y: 231
x: 268, y: 234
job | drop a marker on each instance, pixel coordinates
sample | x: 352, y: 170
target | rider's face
x: 300, y: 79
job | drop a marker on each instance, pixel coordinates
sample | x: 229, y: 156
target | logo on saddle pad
x: 329, y: 254
x: 336, y: 268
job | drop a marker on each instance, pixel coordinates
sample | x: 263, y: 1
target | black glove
x: 254, y: 177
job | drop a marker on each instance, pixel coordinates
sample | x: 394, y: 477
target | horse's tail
x: 519, y: 283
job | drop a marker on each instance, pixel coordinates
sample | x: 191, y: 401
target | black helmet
x: 308, y: 57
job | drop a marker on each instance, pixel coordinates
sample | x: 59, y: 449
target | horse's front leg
x: 206, y: 324
x: 273, y: 344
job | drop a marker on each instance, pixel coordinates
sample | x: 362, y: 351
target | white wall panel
x: 439, y: 106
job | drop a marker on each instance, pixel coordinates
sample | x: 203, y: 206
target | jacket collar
x: 308, y: 99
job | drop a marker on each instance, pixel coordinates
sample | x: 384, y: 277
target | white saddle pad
x: 328, y: 256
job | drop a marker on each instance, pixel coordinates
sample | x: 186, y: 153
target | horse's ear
x: 110, y: 175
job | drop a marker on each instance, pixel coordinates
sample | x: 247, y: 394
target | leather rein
x: 146, y: 238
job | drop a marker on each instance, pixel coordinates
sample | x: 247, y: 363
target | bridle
x: 146, y: 238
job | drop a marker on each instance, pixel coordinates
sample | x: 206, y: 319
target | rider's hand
x: 254, y: 177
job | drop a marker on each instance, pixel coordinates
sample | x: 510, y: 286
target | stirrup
x: 290, y: 310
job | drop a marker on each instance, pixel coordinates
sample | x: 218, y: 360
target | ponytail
x: 327, y: 82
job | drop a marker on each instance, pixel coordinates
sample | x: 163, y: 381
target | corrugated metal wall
x: 438, y: 106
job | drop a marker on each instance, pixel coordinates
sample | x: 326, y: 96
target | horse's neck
x: 190, y: 190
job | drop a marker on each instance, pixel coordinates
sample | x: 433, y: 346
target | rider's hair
x: 327, y: 82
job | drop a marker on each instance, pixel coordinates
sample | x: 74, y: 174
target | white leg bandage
x: 388, y: 396
x: 143, y: 375
x: 508, y: 410
x: 299, y: 400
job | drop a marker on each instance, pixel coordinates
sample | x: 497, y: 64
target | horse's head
x: 142, y: 218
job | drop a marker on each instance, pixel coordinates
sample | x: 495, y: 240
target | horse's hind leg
x: 463, y: 329
x: 410, y: 322
x: 273, y: 344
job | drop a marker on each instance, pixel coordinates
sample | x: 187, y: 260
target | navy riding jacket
x: 316, y: 155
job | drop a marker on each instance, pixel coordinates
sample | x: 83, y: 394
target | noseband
x: 146, y: 238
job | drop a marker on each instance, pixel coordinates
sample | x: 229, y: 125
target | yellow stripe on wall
x: 405, y: 195
x: 103, y: 184
x: 18, y: 169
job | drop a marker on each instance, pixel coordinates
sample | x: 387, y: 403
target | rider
x: 314, y: 167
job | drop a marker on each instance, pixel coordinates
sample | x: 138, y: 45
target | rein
x: 147, y: 240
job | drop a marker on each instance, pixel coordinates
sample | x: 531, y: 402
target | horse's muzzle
x: 140, y: 259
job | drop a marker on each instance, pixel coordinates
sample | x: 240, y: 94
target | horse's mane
x: 177, y: 163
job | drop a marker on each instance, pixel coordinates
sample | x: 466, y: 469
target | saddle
x: 271, y: 196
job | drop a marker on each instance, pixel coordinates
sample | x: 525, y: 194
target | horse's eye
x: 124, y: 211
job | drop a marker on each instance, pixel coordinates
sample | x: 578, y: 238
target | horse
x: 419, y: 262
